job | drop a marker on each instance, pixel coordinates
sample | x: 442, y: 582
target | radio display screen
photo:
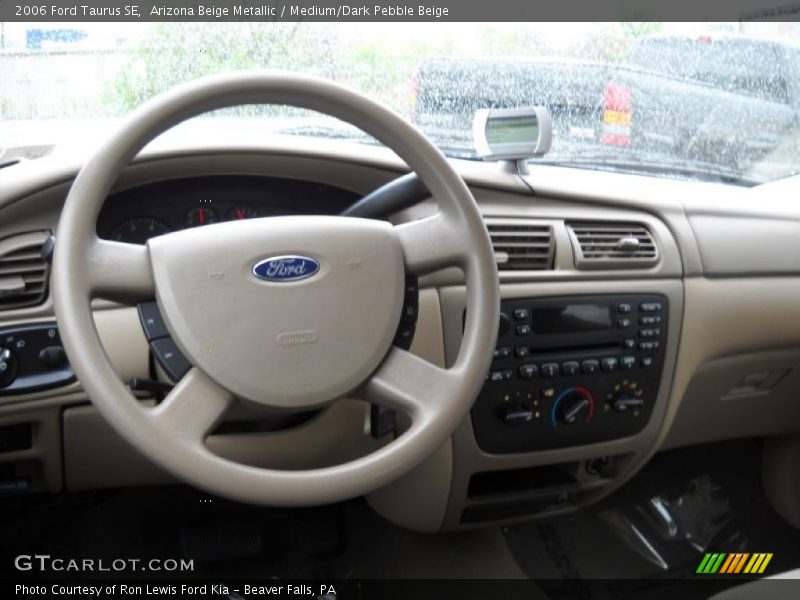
x: 571, y: 318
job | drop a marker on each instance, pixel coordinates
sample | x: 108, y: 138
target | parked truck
x: 723, y: 101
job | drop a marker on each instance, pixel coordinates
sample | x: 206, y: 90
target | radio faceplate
x: 571, y: 370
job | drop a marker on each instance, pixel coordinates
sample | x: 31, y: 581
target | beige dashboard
x: 728, y: 261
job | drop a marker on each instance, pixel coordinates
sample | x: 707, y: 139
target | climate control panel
x: 571, y: 370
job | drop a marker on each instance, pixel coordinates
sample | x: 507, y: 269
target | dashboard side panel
x: 738, y: 363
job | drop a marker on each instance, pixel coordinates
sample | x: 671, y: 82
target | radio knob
x: 573, y: 405
x: 8, y: 367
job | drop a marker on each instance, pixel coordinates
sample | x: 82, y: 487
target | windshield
x: 708, y: 101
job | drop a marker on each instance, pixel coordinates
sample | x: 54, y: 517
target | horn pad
x: 285, y: 311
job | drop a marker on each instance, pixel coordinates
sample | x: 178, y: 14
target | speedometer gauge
x: 138, y: 230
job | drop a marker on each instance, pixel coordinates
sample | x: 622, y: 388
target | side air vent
x: 23, y: 272
x: 521, y: 245
x: 612, y: 245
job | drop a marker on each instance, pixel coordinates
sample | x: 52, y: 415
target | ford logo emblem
x: 281, y: 269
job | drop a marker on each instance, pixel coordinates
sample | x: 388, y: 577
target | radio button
x: 528, y: 371
x: 647, y: 361
x: 549, y: 369
x: 648, y: 333
x: 521, y: 351
x: 624, y: 323
x: 521, y: 314
x: 627, y: 362
x: 570, y: 367
x: 590, y: 366
x: 624, y: 309
x: 650, y: 320
x: 503, y: 375
x: 650, y: 307
x: 523, y: 329
x: 502, y: 352
x: 629, y: 344
x: 609, y: 364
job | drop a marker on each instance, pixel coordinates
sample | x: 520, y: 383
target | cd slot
x: 598, y: 347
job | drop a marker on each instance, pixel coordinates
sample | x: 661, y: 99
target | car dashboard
x: 604, y: 357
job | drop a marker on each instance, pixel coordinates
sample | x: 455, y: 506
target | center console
x: 571, y: 370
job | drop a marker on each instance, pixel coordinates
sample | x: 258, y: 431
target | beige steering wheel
x: 298, y: 342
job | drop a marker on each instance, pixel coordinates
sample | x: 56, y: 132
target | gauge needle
x: 202, y: 217
x: 240, y: 213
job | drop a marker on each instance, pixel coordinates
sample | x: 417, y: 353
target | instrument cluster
x: 138, y: 214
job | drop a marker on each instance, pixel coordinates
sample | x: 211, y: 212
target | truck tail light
x: 617, y: 111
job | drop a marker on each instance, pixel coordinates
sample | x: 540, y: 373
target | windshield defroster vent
x: 521, y: 245
x: 612, y: 245
x: 23, y: 271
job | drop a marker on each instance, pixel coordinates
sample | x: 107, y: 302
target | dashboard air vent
x: 23, y: 272
x: 612, y: 245
x: 521, y: 245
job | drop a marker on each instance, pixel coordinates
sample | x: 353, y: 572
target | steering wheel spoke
x: 431, y: 244
x: 408, y: 383
x: 119, y: 271
x: 193, y: 406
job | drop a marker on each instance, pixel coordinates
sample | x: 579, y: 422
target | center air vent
x: 612, y: 245
x: 521, y: 245
x: 23, y: 272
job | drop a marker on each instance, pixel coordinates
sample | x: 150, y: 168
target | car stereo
x: 571, y: 370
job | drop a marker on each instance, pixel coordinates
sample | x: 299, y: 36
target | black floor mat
x: 586, y: 545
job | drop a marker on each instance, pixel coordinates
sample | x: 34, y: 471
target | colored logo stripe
x: 758, y: 563
x: 734, y: 563
x: 711, y: 562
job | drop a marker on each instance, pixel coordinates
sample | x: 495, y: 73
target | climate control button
x: 528, y: 371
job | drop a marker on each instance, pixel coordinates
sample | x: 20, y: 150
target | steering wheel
x: 320, y: 330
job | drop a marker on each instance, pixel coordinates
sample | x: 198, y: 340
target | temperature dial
x: 573, y: 405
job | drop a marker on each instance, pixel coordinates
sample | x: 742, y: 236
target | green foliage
x: 173, y: 53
